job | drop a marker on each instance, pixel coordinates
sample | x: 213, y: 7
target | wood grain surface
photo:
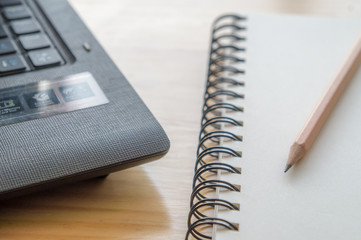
x: 161, y: 46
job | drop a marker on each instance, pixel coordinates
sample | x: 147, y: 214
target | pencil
x: 319, y: 115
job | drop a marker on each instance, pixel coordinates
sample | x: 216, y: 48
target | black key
x: 6, y: 47
x: 12, y: 63
x: 16, y: 12
x: 2, y: 32
x: 5, y: 3
x: 44, y: 58
x: 25, y: 26
x: 34, y: 41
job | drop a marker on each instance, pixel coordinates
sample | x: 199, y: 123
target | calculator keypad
x: 24, y: 43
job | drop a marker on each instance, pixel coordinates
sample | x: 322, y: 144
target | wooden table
x: 161, y: 46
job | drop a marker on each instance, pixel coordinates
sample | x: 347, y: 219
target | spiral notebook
x: 266, y: 74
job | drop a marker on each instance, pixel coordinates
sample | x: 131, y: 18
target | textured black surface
x: 87, y: 142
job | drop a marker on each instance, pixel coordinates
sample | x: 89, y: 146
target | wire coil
x: 224, y: 55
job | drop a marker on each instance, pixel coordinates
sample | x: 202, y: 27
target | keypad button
x: 20, y: 27
x: 44, y: 58
x: 12, y: 63
x: 2, y: 32
x: 6, y: 47
x: 16, y: 12
x: 34, y: 41
x: 5, y: 3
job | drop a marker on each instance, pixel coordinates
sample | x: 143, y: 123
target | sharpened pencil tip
x: 288, y: 166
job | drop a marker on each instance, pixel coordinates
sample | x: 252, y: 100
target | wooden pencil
x: 318, y: 117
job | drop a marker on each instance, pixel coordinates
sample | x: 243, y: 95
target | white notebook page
x: 290, y: 62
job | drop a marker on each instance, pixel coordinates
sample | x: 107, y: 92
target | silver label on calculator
x: 49, y: 97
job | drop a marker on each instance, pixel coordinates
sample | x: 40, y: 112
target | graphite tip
x: 288, y: 166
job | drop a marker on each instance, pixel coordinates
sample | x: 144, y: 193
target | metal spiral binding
x: 225, y: 37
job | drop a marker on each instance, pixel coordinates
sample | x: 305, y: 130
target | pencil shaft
x: 319, y: 115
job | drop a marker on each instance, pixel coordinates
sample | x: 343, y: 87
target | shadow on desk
x: 124, y: 205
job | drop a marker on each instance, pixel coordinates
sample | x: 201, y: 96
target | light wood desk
x: 162, y: 48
